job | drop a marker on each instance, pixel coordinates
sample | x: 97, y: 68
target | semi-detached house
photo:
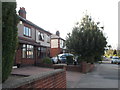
x: 34, y: 42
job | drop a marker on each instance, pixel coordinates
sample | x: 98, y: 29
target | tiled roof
x: 54, y: 36
x: 30, y: 23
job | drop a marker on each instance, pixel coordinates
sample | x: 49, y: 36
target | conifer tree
x: 9, y: 37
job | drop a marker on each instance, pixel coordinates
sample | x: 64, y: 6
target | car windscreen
x: 63, y: 56
x: 115, y: 58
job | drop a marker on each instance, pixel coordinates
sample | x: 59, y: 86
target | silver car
x: 60, y: 58
x: 115, y: 60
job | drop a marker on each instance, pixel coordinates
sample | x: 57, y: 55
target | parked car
x: 115, y: 60
x: 60, y: 58
x: 54, y: 60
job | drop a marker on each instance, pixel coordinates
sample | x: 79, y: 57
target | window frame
x: 27, y: 31
x: 41, y: 36
x: 28, y: 48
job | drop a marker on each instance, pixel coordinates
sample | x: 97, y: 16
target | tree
x: 109, y: 52
x: 118, y: 51
x: 114, y: 52
x: 87, y: 40
x: 9, y: 37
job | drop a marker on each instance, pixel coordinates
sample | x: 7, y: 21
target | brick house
x: 34, y: 42
x: 57, y: 44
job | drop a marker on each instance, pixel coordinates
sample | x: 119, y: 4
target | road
x: 105, y: 75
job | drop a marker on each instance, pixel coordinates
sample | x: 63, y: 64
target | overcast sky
x: 53, y: 15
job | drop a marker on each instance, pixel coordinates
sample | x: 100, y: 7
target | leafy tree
x: 87, y: 40
x: 118, y: 51
x: 9, y: 37
x: 109, y: 52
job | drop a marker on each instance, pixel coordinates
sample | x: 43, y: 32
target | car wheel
x: 53, y: 62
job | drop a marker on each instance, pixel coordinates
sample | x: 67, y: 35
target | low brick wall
x: 59, y: 66
x: 83, y: 67
x: 52, y: 79
x: 44, y: 65
x: 76, y: 68
x: 87, y: 67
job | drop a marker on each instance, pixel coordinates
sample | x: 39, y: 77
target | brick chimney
x: 57, y: 33
x: 22, y: 12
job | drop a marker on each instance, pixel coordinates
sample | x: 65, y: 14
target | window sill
x: 27, y: 36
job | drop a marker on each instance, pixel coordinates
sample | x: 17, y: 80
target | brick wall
x: 23, y: 61
x: 76, y: 68
x: 87, y: 67
x: 52, y: 79
x: 55, y: 51
x: 18, y: 56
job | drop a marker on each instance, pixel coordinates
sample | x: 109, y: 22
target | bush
x: 69, y: 59
x: 47, y: 60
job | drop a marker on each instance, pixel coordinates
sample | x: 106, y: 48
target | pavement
x: 73, y: 78
x: 17, y: 73
x: 104, y: 76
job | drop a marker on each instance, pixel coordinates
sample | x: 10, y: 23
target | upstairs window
x: 48, y: 39
x: 27, y: 31
x: 41, y: 36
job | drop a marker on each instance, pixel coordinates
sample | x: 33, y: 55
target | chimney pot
x: 22, y: 12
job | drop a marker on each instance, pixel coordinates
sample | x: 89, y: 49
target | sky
x: 61, y: 15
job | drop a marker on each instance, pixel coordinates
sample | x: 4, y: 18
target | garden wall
x: 86, y: 67
x: 52, y: 79
x: 76, y: 68
x: 82, y: 67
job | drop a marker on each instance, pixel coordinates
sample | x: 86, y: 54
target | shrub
x: 47, y: 60
x: 69, y: 59
x: 80, y: 60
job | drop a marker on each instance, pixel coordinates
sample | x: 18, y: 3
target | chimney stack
x: 57, y: 33
x: 22, y: 12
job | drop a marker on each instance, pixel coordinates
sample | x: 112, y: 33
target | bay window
x: 27, y: 51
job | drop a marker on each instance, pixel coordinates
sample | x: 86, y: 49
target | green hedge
x: 69, y: 59
x: 47, y: 60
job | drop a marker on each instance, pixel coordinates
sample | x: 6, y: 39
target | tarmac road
x: 105, y: 75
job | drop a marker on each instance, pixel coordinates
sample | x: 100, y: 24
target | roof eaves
x: 29, y: 22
